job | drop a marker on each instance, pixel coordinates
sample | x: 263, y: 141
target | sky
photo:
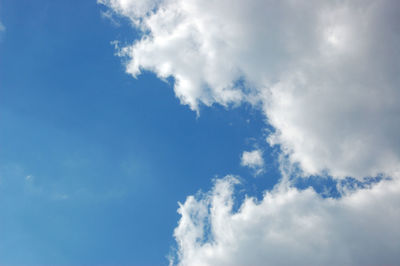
x: 184, y: 132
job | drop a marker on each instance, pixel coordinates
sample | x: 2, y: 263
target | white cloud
x: 324, y: 72
x: 135, y: 10
x: 291, y: 227
x: 253, y: 159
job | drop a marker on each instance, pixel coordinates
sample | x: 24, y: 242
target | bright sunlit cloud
x: 290, y: 227
x: 324, y: 73
x: 325, y: 76
x: 253, y: 159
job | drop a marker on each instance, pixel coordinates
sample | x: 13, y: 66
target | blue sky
x: 93, y: 162
x: 257, y: 118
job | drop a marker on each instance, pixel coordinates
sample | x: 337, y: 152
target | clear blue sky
x: 93, y: 161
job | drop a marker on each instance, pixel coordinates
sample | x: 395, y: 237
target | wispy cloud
x: 2, y: 27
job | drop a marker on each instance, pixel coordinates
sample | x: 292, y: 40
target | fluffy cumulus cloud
x: 325, y: 74
x: 253, y: 159
x: 291, y: 227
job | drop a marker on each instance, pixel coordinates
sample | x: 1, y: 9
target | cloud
x: 326, y: 77
x: 325, y: 73
x: 290, y: 227
x: 135, y: 10
x: 253, y: 159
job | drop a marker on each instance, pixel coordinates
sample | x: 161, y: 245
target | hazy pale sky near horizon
x: 184, y: 132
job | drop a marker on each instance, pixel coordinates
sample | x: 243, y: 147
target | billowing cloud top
x: 290, y: 227
x: 324, y: 72
x: 326, y: 76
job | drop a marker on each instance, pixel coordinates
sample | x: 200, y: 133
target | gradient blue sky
x: 301, y: 166
x: 92, y: 161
